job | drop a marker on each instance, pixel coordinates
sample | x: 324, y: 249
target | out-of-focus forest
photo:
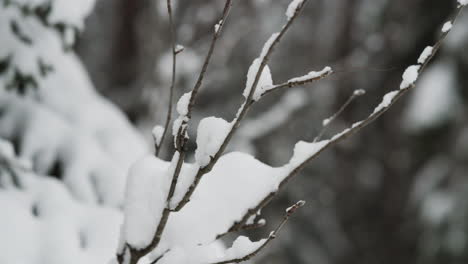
x: 395, y: 193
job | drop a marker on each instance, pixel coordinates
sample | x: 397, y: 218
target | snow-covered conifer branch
x: 273, y: 234
x: 175, y: 50
x: 316, y: 148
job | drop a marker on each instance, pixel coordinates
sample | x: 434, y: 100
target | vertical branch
x: 218, y: 28
x: 159, y: 144
x: 217, y: 32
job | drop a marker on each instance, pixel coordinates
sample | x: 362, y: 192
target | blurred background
x: 397, y: 192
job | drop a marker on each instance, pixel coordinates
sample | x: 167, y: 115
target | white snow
x: 95, y: 145
x: 295, y: 206
x: 387, y: 100
x: 146, y: 194
x: 359, y: 92
x: 427, y: 52
x: 157, y: 132
x: 217, y: 26
x: 242, y: 246
x: 326, y: 121
x: 46, y: 44
x: 311, y: 75
x: 217, y: 199
x: 304, y: 150
x: 179, y: 48
x: 267, y: 45
x: 44, y: 224
x: 447, y: 26
x: 183, y: 103
x: 186, y: 177
x: 264, y: 81
x: 210, y: 136
x: 293, y: 6
x: 72, y: 14
x: 182, y: 110
x: 6, y: 149
x: 410, y: 76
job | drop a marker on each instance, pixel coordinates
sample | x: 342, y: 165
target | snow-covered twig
x: 289, y: 212
x: 160, y: 141
x: 308, y: 78
x: 134, y: 254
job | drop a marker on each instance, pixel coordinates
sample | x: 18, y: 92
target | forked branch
x: 289, y: 212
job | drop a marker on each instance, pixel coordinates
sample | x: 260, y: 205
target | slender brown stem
x: 329, y: 120
x: 289, y: 212
x: 158, y: 145
x: 217, y: 32
x: 180, y: 138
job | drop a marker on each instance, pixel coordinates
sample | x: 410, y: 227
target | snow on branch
x: 306, y: 152
x: 266, y: 52
x: 243, y: 249
x: 131, y: 253
x: 191, y: 213
x: 180, y: 136
x: 297, y: 81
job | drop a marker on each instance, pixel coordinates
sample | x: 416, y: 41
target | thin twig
x: 289, y: 212
x: 158, y: 145
x: 217, y: 32
x: 180, y: 138
x: 291, y: 84
x: 329, y: 120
